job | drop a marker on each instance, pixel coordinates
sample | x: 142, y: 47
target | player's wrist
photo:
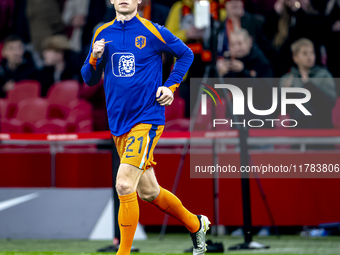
x: 172, y: 87
x: 169, y: 88
x: 94, y: 61
x: 95, y: 55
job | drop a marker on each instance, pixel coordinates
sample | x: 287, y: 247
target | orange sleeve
x: 174, y: 87
x: 93, y: 61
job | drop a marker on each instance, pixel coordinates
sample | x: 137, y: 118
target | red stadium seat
x: 79, y: 110
x: 177, y: 125
x: 33, y: 83
x: 11, y: 126
x: 54, y: 126
x: 30, y: 111
x: 336, y: 114
x: 59, y: 96
x: 84, y: 126
x: 22, y: 90
x: 3, y: 108
x: 175, y: 110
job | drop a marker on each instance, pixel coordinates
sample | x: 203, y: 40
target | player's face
x: 126, y: 7
x: 239, y: 46
x: 305, y: 57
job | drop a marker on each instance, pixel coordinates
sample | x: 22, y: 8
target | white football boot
x: 198, y: 238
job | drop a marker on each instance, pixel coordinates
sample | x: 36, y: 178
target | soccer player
x: 129, y: 51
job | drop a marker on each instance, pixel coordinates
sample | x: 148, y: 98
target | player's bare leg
x: 127, y: 180
x: 149, y: 190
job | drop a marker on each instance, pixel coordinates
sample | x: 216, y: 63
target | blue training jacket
x: 132, y: 64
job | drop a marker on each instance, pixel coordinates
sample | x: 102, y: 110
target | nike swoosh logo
x: 128, y: 156
x: 125, y: 225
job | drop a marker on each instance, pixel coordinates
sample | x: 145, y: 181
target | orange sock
x: 170, y: 204
x: 128, y: 216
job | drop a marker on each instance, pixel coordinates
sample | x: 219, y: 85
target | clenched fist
x: 98, y: 48
x: 167, y: 96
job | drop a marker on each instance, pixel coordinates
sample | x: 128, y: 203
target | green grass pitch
x: 172, y: 244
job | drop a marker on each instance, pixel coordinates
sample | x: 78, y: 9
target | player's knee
x: 148, y: 196
x: 124, y: 188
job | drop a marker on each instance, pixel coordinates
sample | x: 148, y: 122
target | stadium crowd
x: 295, y: 40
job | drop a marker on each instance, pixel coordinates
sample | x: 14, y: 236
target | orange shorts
x: 136, y: 146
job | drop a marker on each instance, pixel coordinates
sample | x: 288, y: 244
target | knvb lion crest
x: 126, y: 66
x: 140, y: 42
x: 123, y: 64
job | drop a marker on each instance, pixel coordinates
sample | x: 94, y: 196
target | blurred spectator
x: 246, y: 59
x: 20, y: 23
x: 44, y: 20
x: 147, y: 9
x: 153, y: 11
x: 289, y: 21
x: 317, y: 80
x: 74, y: 15
x: 262, y: 7
x: 6, y: 18
x: 13, y: 19
x: 168, y: 3
x: 60, y: 63
x: 16, y: 65
x: 180, y: 22
x: 238, y: 18
x: 332, y: 14
x: 83, y: 16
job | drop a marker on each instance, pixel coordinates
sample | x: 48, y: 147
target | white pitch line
x: 16, y: 201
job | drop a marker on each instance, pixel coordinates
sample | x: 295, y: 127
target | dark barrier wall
x: 293, y: 201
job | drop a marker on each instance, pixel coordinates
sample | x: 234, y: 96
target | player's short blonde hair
x: 296, y: 46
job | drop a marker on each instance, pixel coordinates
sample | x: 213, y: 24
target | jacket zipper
x: 123, y: 35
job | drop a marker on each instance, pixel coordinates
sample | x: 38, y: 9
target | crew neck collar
x: 129, y: 22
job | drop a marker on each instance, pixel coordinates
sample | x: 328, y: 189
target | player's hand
x: 98, y: 48
x: 167, y: 96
